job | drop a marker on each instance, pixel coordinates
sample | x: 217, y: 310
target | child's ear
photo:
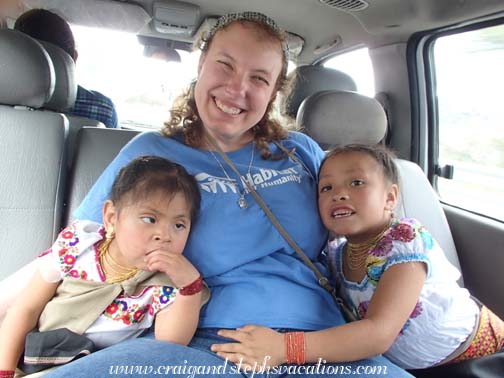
x: 109, y: 214
x: 392, y: 196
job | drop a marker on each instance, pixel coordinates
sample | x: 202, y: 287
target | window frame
x: 424, y: 105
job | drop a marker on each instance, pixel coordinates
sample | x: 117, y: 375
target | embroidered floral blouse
x: 75, y: 254
x: 444, y: 315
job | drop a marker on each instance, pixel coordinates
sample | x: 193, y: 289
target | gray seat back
x: 312, y: 79
x: 26, y: 72
x: 339, y: 118
x: 65, y: 94
x: 95, y: 149
x: 332, y: 116
x: 32, y: 152
x: 65, y: 89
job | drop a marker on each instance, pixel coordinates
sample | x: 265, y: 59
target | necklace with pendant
x: 242, y: 201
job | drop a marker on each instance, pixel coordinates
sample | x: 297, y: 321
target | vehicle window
x: 469, y: 85
x: 358, y: 65
x: 141, y: 88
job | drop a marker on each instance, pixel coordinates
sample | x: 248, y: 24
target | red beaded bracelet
x: 295, y: 347
x: 7, y: 373
x: 193, y: 288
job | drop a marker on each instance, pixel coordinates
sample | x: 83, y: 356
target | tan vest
x: 78, y: 303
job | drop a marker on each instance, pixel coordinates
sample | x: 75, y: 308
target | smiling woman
x: 237, y: 87
x: 241, y: 70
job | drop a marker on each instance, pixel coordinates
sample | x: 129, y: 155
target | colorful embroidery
x: 402, y: 232
x: 362, y: 309
x: 78, y: 273
x: 161, y: 296
x: 132, y: 313
x: 68, y: 252
x: 383, y: 247
x: 426, y: 238
x: 489, y: 338
x: 120, y: 311
x: 379, y: 258
x: 375, y: 268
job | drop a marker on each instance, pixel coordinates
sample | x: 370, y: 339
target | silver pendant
x: 242, y: 202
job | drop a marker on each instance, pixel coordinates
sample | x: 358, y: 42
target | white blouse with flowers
x: 444, y: 315
x: 75, y: 254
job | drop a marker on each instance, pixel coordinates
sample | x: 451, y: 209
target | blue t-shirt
x: 255, y: 277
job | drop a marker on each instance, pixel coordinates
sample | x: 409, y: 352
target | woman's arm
x: 391, y: 305
x: 22, y: 317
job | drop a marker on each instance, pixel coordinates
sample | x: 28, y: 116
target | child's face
x: 355, y: 199
x: 159, y: 222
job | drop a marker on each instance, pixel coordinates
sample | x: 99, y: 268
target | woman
x: 253, y: 275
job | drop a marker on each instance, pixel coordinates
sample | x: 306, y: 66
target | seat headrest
x: 341, y: 117
x: 65, y: 90
x: 26, y: 71
x: 312, y: 79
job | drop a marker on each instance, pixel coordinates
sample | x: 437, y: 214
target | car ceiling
x: 327, y: 26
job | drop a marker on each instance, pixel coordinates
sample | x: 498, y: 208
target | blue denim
x: 145, y: 357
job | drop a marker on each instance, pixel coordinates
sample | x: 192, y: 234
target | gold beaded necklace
x: 357, y: 252
x: 120, y: 272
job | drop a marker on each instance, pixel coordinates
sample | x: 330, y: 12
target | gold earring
x: 110, y: 234
x: 105, y: 244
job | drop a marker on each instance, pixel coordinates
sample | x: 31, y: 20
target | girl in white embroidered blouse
x: 106, y: 283
x: 392, y: 274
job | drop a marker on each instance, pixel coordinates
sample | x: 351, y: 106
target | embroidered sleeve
x: 409, y: 241
x: 406, y: 241
x: 57, y: 260
x: 69, y: 244
x: 67, y: 247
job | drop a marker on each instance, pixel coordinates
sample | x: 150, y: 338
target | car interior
x: 50, y: 159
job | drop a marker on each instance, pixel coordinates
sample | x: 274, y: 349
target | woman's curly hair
x: 184, y: 113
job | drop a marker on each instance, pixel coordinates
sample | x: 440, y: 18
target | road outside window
x: 469, y: 89
x: 141, y: 88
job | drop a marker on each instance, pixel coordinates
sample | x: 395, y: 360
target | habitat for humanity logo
x: 264, y: 178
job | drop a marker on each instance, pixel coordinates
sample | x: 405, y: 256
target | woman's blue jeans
x: 145, y: 357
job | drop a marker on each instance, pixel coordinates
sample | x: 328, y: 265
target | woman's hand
x: 174, y: 265
x: 256, y: 348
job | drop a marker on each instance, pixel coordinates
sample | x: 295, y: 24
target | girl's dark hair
x: 383, y: 156
x: 184, y: 114
x: 146, y: 175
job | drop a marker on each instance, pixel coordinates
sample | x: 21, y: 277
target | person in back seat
x: 47, y: 26
x: 100, y: 284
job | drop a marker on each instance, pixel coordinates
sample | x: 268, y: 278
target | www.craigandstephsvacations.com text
x: 196, y: 371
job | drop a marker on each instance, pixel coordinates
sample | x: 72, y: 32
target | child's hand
x: 257, y: 347
x: 174, y: 265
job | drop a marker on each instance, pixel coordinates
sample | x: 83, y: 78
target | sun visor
x: 115, y: 15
